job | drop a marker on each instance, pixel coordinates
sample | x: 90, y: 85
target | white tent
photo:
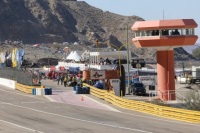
x: 75, y: 56
x: 70, y: 55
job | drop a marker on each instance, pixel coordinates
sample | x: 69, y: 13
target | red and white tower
x: 164, y: 36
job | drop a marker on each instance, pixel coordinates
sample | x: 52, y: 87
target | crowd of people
x: 165, y: 32
x: 67, y: 79
x: 105, y: 62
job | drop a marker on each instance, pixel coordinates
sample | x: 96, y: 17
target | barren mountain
x: 45, y: 21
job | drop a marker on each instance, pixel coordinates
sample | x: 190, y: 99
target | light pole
x: 128, y: 59
x: 118, y: 49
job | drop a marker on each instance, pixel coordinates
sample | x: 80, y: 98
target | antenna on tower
x: 163, y: 14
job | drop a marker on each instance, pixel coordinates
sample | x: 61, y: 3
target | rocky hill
x: 47, y: 21
x: 36, y: 21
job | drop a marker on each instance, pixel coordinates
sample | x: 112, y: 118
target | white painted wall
x: 8, y: 83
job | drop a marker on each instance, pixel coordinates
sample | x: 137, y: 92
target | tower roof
x: 164, y: 24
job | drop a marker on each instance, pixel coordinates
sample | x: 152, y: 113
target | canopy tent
x: 74, y: 56
x: 69, y: 56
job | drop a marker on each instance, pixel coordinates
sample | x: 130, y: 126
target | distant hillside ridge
x: 47, y: 21
x: 37, y: 21
x: 189, y: 49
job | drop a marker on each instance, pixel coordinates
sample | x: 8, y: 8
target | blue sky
x: 152, y: 9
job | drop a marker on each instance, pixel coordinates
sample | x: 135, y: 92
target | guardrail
x: 167, y: 112
x: 25, y: 88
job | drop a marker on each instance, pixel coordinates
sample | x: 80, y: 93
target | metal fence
x: 20, y: 76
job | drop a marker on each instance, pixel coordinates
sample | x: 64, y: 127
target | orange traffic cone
x: 82, y: 98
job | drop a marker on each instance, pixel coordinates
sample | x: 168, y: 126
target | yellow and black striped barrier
x: 167, y: 112
x: 26, y: 89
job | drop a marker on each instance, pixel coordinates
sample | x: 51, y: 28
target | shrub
x: 192, y: 100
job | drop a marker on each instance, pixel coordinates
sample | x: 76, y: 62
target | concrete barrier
x: 8, y: 83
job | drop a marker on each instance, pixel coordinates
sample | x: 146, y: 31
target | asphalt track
x: 24, y: 113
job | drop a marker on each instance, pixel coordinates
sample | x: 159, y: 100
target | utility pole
x: 48, y: 64
x: 183, y: 66
x: 128, y: 60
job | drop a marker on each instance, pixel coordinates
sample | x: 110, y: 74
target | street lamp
x: 127, y: 57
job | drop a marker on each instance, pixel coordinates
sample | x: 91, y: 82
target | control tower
x: 164, y: 36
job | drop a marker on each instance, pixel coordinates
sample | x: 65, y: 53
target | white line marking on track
x: 113, y: 109
x: 29, y: 102
x: 52, y: 100
x: 51, y: 107
x: 21, y: 126
x: 26, y: 95
x: 49, y: 99
x: 175, y: 121
x: 36, y: 102
x: 82, y: 120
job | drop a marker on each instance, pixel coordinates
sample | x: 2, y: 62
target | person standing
x: 74, y: 81
x: 65, y: 81
x: 58, y: 78
x: 62, y: 79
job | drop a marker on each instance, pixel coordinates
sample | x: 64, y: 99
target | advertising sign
x: 148, y: 80
x: 97, y: 75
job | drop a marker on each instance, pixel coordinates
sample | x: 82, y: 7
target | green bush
x: 192, y: 100
x: 196, y: 53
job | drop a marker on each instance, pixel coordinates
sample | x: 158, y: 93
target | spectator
x: 175, y: 77
x: 156, y: 32
x: 80, y: 83
x: 108, y: 61
x: 104, y: 62
x: 65, y: 81
x: 73, y: 81
x: 101, y: 61
x: 62, y: 79
x: 58, y: 78
x: 53, y: 75
x: 176, y: 32
x: 153, y: 33
x: 79, y: 75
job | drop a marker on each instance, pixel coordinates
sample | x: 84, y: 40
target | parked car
x: 138, y: 88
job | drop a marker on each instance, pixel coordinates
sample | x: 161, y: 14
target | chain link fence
x: 20, y: 76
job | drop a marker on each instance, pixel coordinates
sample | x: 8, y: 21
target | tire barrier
x: 34, y: 91
x: 87, y: 90
x: 42, y: 91
x: 25, y: 88
x: 167, y: 112
x: 82, y: 90
x: 78, y: 90
x: 74, y: 88
x: 47, y: 91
